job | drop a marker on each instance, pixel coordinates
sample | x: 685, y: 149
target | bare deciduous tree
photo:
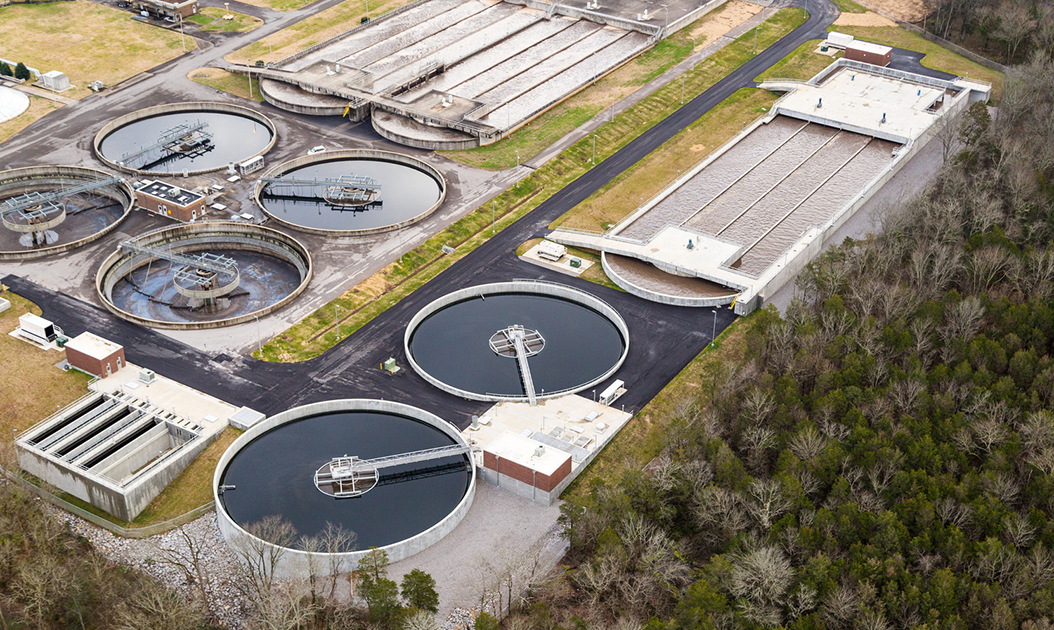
x: 260, y: 553
x: 187, y: 555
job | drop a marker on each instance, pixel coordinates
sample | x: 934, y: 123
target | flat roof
x: 93, y: 345
x: 36, y: 320
x: 521, y: 449
x: 169, y: 193
x: 869, y: 47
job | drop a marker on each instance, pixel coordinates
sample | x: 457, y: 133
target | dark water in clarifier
x: 234, y: 138
x: 405, y: 193
x: 452, y: 343
x: 263, y: 281
x: 274, y: 475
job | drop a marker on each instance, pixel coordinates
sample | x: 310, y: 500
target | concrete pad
x: 211, y: 413
x: 563, y: 265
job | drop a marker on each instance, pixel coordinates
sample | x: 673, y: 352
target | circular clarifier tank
x: 203, y: 275
x: 182, y: 138
x: 53, y: 209
x: 423, y: 477
x: 470, y: 342
x: 350, y: 192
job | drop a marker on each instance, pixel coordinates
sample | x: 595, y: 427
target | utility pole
x: 181, y: 36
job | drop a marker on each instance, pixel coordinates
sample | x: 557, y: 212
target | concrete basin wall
x: 192, y: 106
x: 351, y: 154
x: 294, y: 562
x: 536, y: 287
x: 21, y: 180
x: 192, y: 236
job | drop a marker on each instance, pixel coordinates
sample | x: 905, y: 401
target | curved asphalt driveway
x: 663, y: 339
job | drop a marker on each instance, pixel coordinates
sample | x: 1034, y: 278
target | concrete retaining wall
x: 123, y: 502
x: 419, y: 143
x: 20, y: 179
x: 517, y: 286
x: 296, y: 108
x: 295, y: 563
x: 352, y: 154
x: 231, y: 236
x: 157, y: 110
x: 655, y: 296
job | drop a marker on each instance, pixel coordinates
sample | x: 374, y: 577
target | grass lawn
x: 554, y: 124
x: 33, y: 387
x: 595, y: 273
x: 848, y: 6
x: 936, y: 57
x: 317, y: 28
x: 38, y: 108
x: 279, y: 5
x: 85, y: 40
x: 192, y: 488
x: 804, y: 63
x: 231, y: 83
x: 316, y: 333
x: 211, y: 19
x: 640, y: 182
x: 643, y: 438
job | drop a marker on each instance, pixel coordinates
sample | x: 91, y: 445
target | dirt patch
x: 698, y: 147
x: 907, y: 10
x: 734, y: 13
x: 863, y: 19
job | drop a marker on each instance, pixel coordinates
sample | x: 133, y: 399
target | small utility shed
x: 91, y: 353
x: 875, y: 54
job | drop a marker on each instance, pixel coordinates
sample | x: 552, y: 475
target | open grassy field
x: 552, y: 125
x: 640, y: 182
x: 85, y: 40
x: 317, y: 28
x: 33, y: 387
x: 936, y: 57
x: 229, y: 82
x: 316, y: 333
x: 38, y: 108
x: 642, y: 439
x: 279, y: 5
x: 802, y: 64
x: 211, y: 19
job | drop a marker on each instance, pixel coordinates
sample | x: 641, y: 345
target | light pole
x: 259, y: 339
x: 594, y: 160
x: 181, y: 36
x: 336, y: 322
x: 517, y: 157
x: 367, y: 10
x: 492, y: 215
x: 667, y: 9
x: 682, y: 89
x: 612, y: 104
x: 756, y: 40
x: 713, y: 333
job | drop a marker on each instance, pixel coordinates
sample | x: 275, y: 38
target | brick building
x: 91, y: 353
x: 168, y: 200
x: 525, y: 467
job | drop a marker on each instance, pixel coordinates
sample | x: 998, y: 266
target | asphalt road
x: 663, y: 339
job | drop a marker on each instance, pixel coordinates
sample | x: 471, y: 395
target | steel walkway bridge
x: 46, y: 199
x: 346, y: 477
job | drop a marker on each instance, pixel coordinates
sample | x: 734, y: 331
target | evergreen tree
x: 22, y: 72
x: 419, y: 591
x: 5, y: 70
